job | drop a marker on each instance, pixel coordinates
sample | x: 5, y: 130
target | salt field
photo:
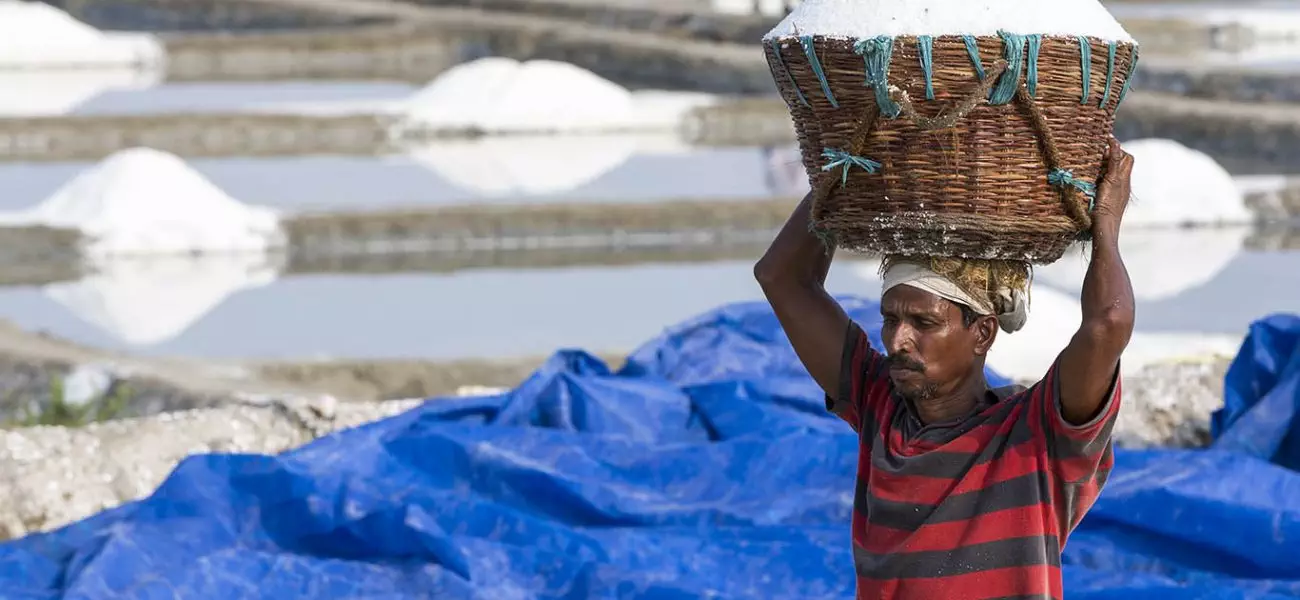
x: 1199, y: 303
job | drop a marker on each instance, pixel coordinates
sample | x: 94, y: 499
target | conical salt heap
x: 142, y: 201
x: 968, y: 128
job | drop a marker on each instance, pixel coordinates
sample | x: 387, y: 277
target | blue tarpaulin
x: 706, y: 467
x: 1261, y: 400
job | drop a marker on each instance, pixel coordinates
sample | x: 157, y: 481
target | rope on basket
x: 1132, y: 69
x: 973, y: 49
x: 925, y: 49
x: 1110, y: 76
x: 826, y: 183
x: 1070, y: 193
x: 780, y: 60
x: 1031, y: 79
x: 839, y: 158
x: 1064, y: 177
x: 1085, y: 66
x: 852, y: 157
x: 1013, y: 48
x: 947, y: 119
x: 808, y: 49
x: 876, y: 54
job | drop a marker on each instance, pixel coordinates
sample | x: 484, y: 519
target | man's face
x: 931, y: 350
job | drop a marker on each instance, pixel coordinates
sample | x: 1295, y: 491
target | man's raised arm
x: 1090, y: 362
x: 793, y: 275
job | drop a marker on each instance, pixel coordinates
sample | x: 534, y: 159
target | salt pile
x: 767, y: 8
x: 503, y: 95
x: 871, y: 18
x: 35, y: 34
x: 1175, y: 185
x: 142, y: 201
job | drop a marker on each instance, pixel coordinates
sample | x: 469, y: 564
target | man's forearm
x: 797, y: 255
x: 1107, y: 295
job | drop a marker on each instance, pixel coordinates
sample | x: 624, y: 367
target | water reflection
x: 502, y: 170
x: 145, y: 302
x: 1190, y: 284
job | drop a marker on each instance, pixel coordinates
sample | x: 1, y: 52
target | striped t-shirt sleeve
x: 1081, y: 455
x: 861, y: 369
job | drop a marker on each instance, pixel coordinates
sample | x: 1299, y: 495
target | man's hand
x: 1113, y: 192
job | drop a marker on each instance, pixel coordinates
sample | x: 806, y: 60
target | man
x: 963, y: 491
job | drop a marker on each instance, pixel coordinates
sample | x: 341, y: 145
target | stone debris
x: 52, y: 476
x: 1169, y: 404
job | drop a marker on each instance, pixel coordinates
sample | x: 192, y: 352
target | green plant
x: 59, y: 412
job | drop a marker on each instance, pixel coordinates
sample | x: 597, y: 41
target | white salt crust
x: 857, y: 19
x: 503, y: 95
x: 35, y: 34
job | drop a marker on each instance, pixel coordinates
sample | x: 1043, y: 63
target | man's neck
x: 949, y: 407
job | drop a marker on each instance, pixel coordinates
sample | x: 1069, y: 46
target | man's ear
x: 986, y: 330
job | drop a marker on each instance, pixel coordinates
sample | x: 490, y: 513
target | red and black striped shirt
x: 979, y: 507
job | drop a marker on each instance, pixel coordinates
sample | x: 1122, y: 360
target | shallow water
x: 127, y: 92
x: 1188, y: 282
x: 503, y: 170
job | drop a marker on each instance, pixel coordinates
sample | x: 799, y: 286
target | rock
x: 1169, y: 405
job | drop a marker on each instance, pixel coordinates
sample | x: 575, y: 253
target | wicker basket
x: 994, y: 158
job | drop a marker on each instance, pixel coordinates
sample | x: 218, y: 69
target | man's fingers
x: 1126, y: 164
x: 1118, y: 162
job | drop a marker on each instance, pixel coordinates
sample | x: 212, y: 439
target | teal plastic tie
x: 1110, y: 75
x: 1013, y: 48
x: 925, y: 47
x: 780, y: 60
x: 1061, y: 178
x: 840, y: 159
x: 1085, y: 65
x: 876, y: 54
x: 1031, y: 80
x: 807, y: 43
x: 973, y: 49
x: 1132, y: 69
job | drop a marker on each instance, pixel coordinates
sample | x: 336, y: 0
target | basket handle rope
x: 828, y: 178
x: 1072, y: 196
x: 948, y: 119
x: 872, y: 113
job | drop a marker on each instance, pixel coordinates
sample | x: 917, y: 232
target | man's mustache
x: 905, y: 362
